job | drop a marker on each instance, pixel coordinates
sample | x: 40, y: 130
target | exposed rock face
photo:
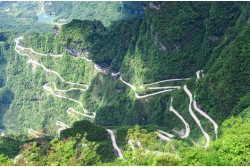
x: 152, y: 6
x: 71, y: 51
x: 213, y: 38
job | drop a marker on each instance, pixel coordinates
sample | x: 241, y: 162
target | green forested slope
x: 227, y: 84
x: 200, y: 47
x: 29, y: 98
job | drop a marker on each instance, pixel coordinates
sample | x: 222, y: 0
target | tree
x: 166, y: 160
x: 232, y: 148
x: 31, y: 155
x: 70, y: 152
x: 4, y: 161
x: 146, y: 151
x: 67, y: 152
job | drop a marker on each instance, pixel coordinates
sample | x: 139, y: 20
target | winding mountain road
x: 163, y: 135
x: 128, y: 84
x: 83, y: 57
x: 118, y: 150
x: 187, y: 131
x: 171, y: 88
x: 67, y: 90
x: 115, y: 74
x: 32, y: 133
x: 167, y: 89
x: 194, y: 116
x: 49, y: 89
x: 198, y: 74
x: 62, y: 127
x: 164, y: 87
x: 167, y: 80
x: 57, y: 74
x: 34, y: 62
x: 36, y: 134
x: 70, y: 110
x: 152, y: 94
x: 206, y: 116
x: 17, y: 40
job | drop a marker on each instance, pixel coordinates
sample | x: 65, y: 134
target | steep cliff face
x: 177, y: 39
